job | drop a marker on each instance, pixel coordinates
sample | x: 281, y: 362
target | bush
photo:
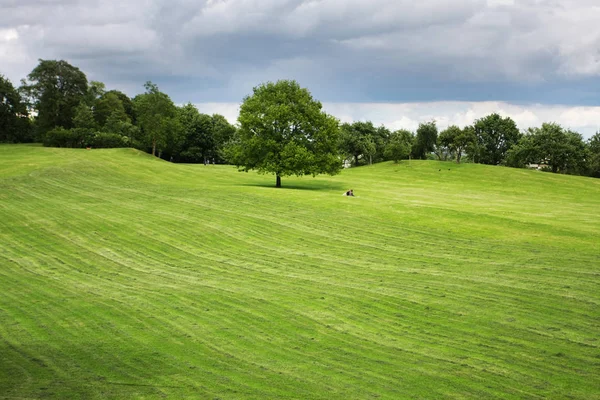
x: 104, y: 140
x: 61, y: 137
x: 83, y: 137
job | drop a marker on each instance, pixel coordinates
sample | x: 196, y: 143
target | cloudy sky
x: 395, y: 62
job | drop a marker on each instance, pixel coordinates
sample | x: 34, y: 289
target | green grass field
x: 123, y: 276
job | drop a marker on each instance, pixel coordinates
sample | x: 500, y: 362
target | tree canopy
x: 283, y: 131
x: 358, y: 141
x: 425, y: 140
x: 560, y: 149
x: 495, y: 135
x: 154, y: 109
x: 457, y: 140
x: 14, y: 121
x: 56, y: 88
x: 399, y: 145
x: 593, y: 155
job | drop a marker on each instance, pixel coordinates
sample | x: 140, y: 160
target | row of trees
x: 281, y: 129
x: 491, y: 140
x: 56, y: 105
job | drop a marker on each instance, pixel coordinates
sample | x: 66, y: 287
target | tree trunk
x: 458, y: 155
x: 278, y: 184
x: 154, y: 147
x: 356, y: 160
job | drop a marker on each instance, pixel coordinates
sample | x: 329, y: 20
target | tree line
x: 57, y: 106
x: 492, y: 140
x: 281, y: 130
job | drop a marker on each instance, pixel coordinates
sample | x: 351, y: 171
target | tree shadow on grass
x: 325, y: 186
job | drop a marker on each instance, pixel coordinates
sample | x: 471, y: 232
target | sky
x: 394, y: 62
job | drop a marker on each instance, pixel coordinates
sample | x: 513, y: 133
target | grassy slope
x: 125, y: 276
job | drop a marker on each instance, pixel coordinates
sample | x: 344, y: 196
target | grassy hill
x: 123, y: 276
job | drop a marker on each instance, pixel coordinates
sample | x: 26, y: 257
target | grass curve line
x: 124, y: 276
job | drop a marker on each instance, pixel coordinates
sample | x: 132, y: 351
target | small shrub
x: 104, y: 140
x: 61, y: 137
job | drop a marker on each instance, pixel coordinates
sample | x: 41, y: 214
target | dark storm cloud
x: 344, y: 50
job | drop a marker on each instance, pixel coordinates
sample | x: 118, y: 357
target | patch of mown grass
x: 123, y: 276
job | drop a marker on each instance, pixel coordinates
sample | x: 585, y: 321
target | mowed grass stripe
x: 144, y: 279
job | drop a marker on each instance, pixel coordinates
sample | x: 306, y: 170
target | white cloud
x: 585, y: 120
x: 346, y: 50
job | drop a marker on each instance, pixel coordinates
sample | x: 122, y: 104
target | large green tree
x: 284, y: 131
x: 495, y: 135
x: 457, y: 140
x: 222, y: 133
x: 196, y: 134
x: 399, y: 145
x: 425, y: 140
x: 593, y: 155
x: 154, y: 109
x: 112, y: 102
x: 204, y: 136
x: 357, y: 140
x: 56, y: 88
x: 562, y: 150
x: 95, y: 91
x: 14, y: 123
x: 84, y: 117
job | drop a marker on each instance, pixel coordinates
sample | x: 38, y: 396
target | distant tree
x: 399, y: 145
x: 109, y: 104
x: 442, y: 150
x: 153, y: 110
x: 56, y: 89
x: 495, y: 135
x: 15, y: 126
x: 204, y: 136
x: 562, y: 150
x: 222, y: 133
x: 593, y: 155
x: 84, y: 117
x: 283, y: 131
x: 425, y: 140
x: 116, y: 124
x: 358, y: 140
x: 457, y: 140
x: 95, y: 91
x: 381, y: 139
x: 196, y: 132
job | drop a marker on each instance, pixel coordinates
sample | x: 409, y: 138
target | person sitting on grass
x: 349, y: 193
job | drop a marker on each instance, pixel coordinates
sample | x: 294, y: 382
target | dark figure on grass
x: 349, y: 193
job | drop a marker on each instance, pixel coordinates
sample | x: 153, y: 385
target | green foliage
x: 95, y: 91
x: 71, y: 138
x: 358, y: 141
x: 197, y: 135
x: 560, y: 149
x: 116, y: 124
x: 457, y: 140
x: 56, y: 89
x: 399, y: 145
x: 15, y: 126
x: 110, y: 104
x: 84, y: 117
x: 425, y: 140
x: 593, y: 155
x: 284, y: 131
x: 108, y: 140
x: 222, y: 133
x: 381, y: 139
x: 153, y: 110
x: 495, y: 135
